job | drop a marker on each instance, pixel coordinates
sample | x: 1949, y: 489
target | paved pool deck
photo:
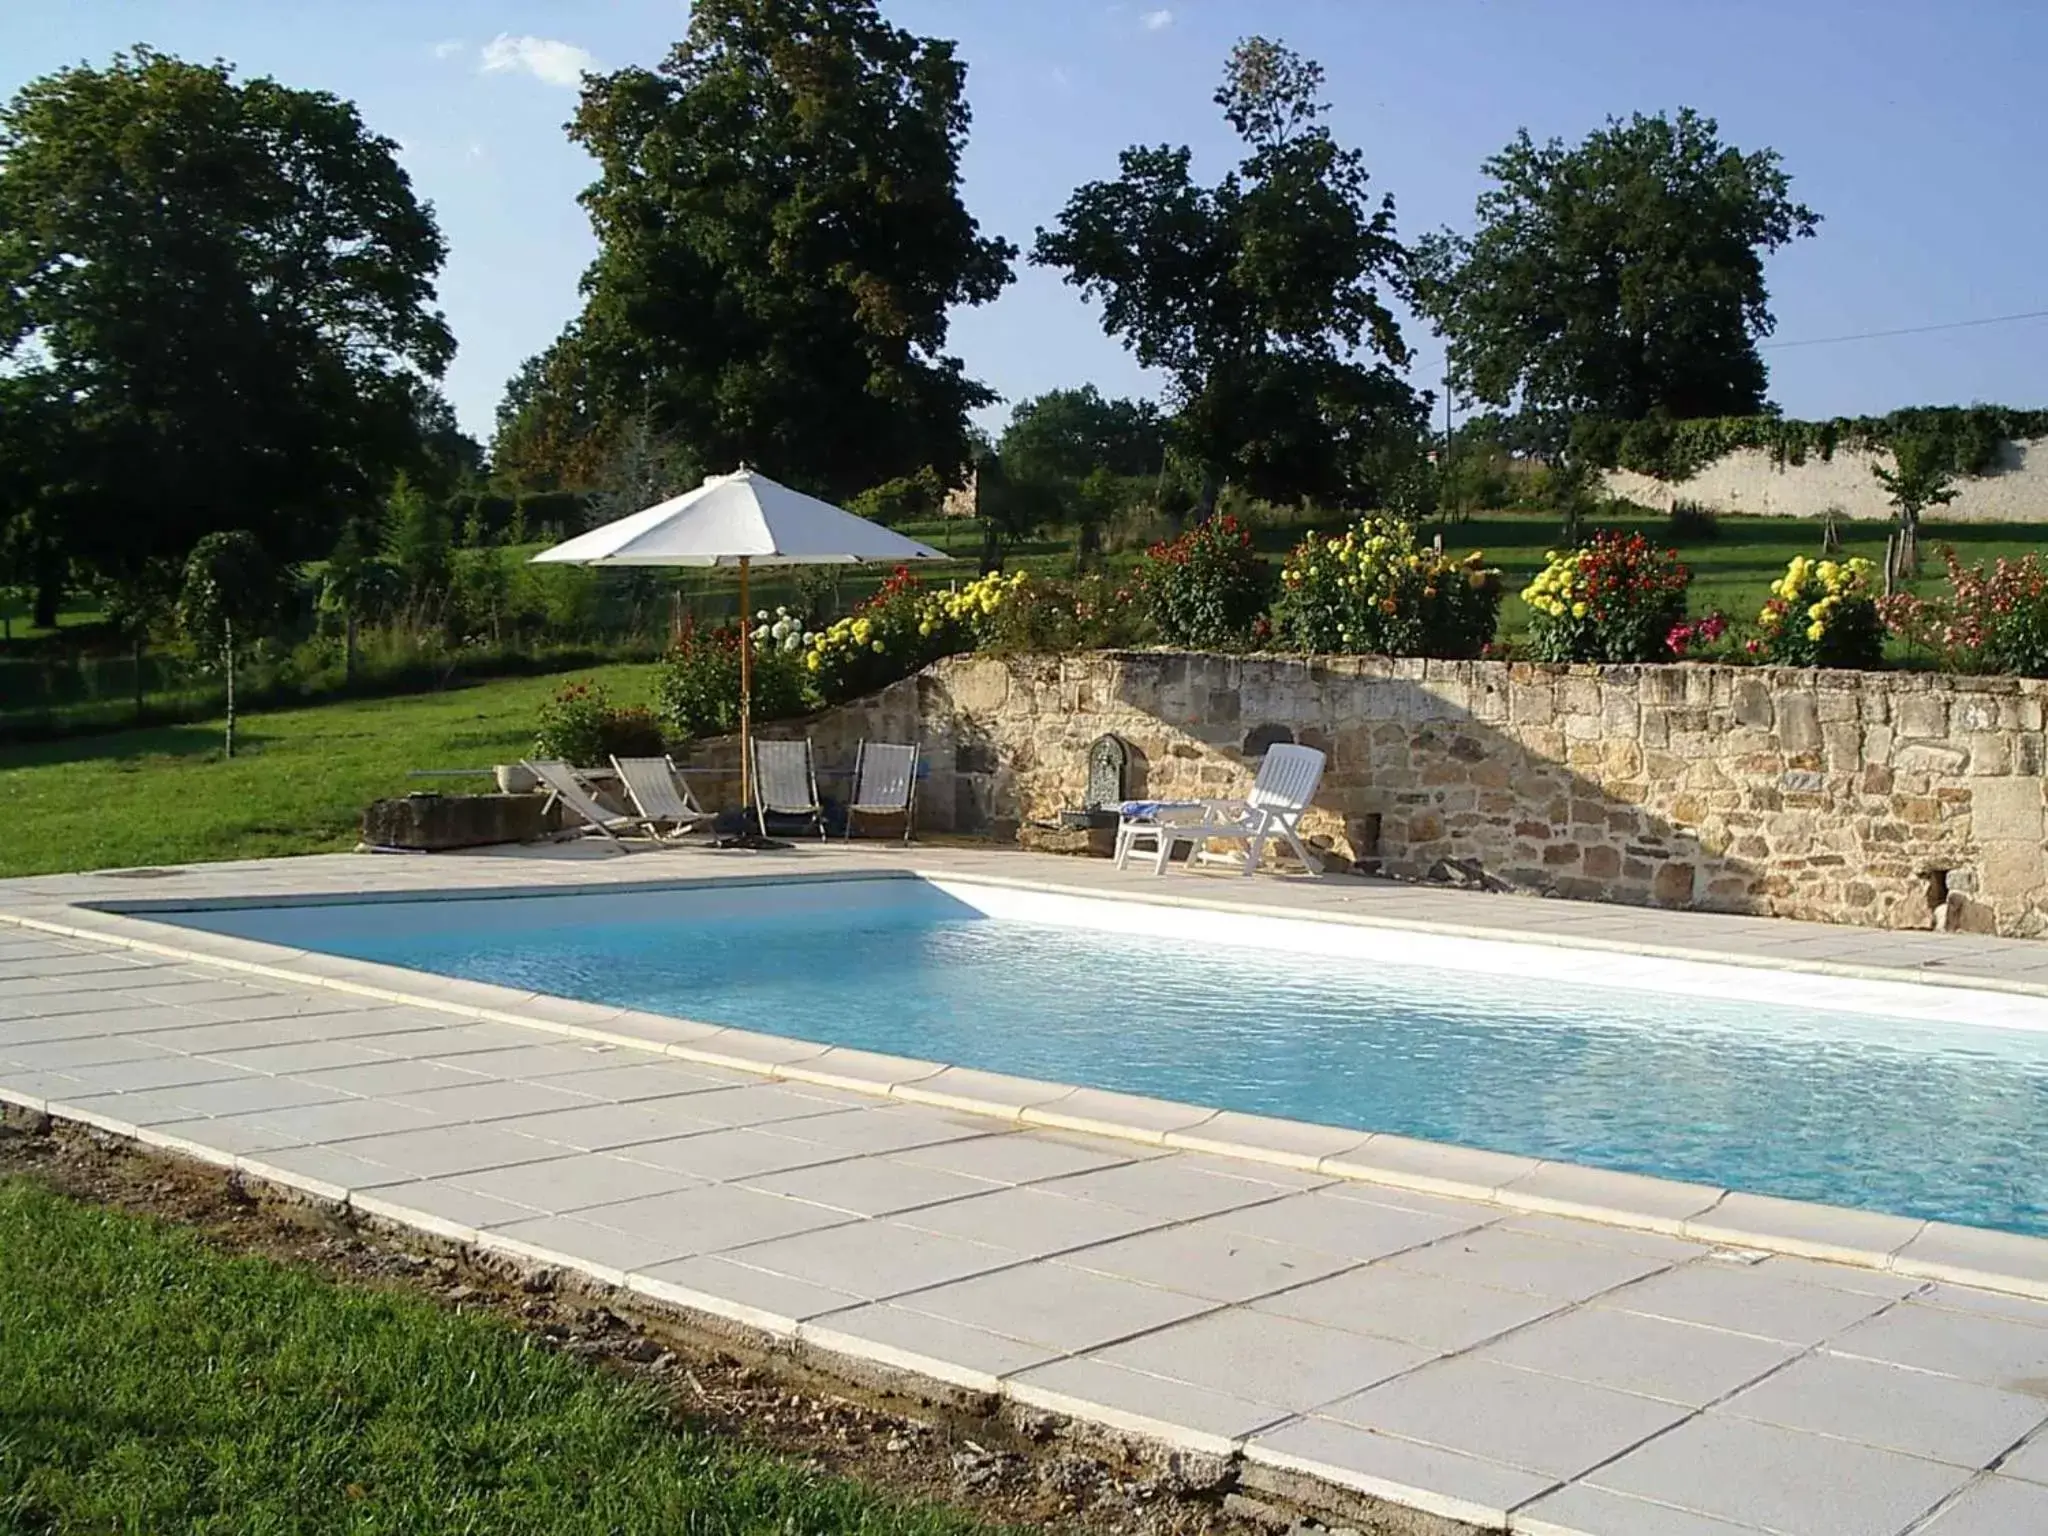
x: 1670, y: 1362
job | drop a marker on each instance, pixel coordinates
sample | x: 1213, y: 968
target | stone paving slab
x: 1512, y: 1367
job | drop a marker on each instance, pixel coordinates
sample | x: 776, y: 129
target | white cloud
x: 545, y: 58
x: 1156, y: 21
x: 448, y: 47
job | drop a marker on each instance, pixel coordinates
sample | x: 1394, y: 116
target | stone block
x: 432, y: 823
x: 1974, y: 713
x: 1532, y: 704
x: 1936, y: 759
x: 980, y: 687
x: 1672, y: 884
x: 1753, y: 703
x: 2012, y: 870
x: 1990, y: 752
x: 1922, y: 715
x: 2006, y: 809
x: 1799, y: 723
x: 1601, y: 862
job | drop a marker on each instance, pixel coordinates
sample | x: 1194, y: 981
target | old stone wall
x: 1890, y: 799
x: 1751, y: 481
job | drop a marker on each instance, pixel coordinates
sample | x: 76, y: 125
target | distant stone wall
x: 1890, y: 799
x: 1750, y: 481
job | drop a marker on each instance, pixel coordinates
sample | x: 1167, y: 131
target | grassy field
x: 149, y: 1384
x: 298, y: 782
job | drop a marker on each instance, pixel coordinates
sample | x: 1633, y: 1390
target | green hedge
x: 1967, y: 438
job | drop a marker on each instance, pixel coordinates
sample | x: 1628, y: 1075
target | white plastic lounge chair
x: 884, y: 783
x: 1281, y: 793
x: 661, y: 795
x: 786, y: 782
x: 565, y: 787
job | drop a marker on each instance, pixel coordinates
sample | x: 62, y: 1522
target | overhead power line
x: 1908, y: 330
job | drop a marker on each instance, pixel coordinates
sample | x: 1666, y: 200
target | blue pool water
x: 1947, y: 1120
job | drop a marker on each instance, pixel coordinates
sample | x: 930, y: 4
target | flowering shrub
x: 1821, y: 613
x: 974, y: 612
x: 889, y: 636
x: 580, y: 725
x: 1206, y: 590
x: 1039, y: 615
x: 1373, y: 590
x: 779, y: 631
x: 699, y: 688
x: 1690, y: 637
x: 1990, y: 621
x: 1616, y: 599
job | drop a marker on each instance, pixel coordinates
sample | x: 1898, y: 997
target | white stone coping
x: 2010, y: 1263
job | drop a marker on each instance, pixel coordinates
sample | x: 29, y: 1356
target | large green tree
x: 1621, y: 278
x: 1260, y: 297
x: 551, y: 434
x: 1068, y: 434
x: 224, y: 289
x: 781, y: 237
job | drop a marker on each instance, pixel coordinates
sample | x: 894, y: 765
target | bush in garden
x: 1372, y: 589
x: 889, y: 636
x: 1694, y: 521
x: 581, y: 725
x: 1207, y: 589
x: 1616, y: 599
x: 1821, y: 613
x: 972, y: 614
x: 699, y: 689
x: 1694, y: 638
x: 1992, y: 620
x: 1036, y: 615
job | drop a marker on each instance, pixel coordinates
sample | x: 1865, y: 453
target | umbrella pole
x: 746, y: 692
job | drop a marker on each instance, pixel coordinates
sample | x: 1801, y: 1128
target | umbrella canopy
x: 740, y: 517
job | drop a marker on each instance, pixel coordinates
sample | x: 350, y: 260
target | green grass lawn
x: 151, y: 1385
x: 298, y: 782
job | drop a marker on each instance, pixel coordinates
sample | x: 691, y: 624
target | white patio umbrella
x: 744, y: 520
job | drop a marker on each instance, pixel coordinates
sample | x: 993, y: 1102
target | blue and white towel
x: 1148, y: 810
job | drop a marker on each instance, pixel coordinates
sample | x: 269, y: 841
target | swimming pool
x: 1891, y: 1098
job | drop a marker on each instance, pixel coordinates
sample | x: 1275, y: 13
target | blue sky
x: 1915, y: 129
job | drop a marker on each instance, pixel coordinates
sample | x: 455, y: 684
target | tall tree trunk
x: 228, y: 656
x: 49, y: 595
x: 136, y: 642
x: 348, y: 650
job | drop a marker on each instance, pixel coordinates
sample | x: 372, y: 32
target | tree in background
x: 31, y: 545
x: 1260, y: 296
x: 549, y: 436
x: 358, y: 584
x: 1082, y: 458
x: 228, y: 287
x: 781, y: 238
x: 418, y: 540
x: 1622, y: 278
x: 231, y: 589
x: 906, y: 499
x: 1920, y: 478
x: 1066, y: 434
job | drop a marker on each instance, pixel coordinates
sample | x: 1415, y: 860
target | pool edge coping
x: 1802, y: 1229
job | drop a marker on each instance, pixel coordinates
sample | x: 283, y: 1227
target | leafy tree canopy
x: 1067, y: 434
x: 781, y: 237
x: 1260, y: 296
x: 1621, y: 278
x: 224, y: 288
x: 550, y: 436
